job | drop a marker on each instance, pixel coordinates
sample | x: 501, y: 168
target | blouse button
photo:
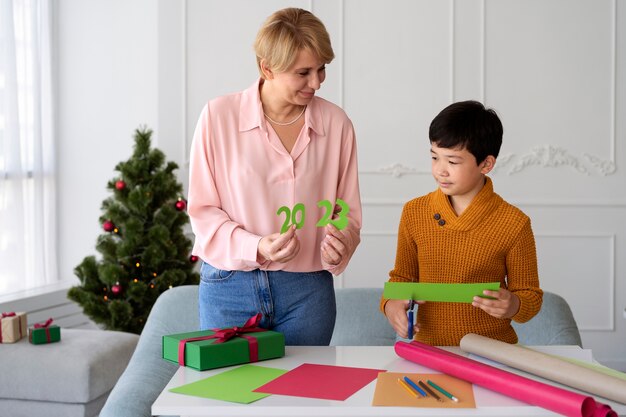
x: 441, y: 222
x: 437, y: 216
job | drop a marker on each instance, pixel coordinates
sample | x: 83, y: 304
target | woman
x: 268, y: 159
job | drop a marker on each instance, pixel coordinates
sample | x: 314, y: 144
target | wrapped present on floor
x: 42, y: 333
x: 224, y: 347
x: 12, y: 327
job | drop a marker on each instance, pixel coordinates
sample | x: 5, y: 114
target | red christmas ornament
x: 193, y: 259
x: 120, y: 185
x: 117, y: 288
x: 181, y: 205
x: 108, y: 226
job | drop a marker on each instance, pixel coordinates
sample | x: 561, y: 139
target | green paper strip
x: 456, y: 293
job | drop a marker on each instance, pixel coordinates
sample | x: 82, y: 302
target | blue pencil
x: 414, y: 385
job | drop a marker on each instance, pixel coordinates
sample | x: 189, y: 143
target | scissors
x: 411, y: 320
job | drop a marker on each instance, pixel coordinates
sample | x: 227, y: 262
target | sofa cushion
x: 29, y: 408
x: 359, y: 320
x: 80, y: 369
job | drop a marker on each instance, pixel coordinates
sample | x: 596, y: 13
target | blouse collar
x: 251, y: 111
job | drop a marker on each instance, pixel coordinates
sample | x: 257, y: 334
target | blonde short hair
x: 287, y: 32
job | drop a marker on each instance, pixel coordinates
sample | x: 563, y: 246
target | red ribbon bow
x: 11, y: 314
x: 223, y: 335
x: 45, y: 325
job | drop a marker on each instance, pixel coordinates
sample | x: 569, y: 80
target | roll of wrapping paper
x: 532, y: 392
x: 546, y: 366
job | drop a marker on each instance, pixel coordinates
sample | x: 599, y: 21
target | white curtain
x: 27, y: 172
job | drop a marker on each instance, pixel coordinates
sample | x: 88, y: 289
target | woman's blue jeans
x: 301, y: 305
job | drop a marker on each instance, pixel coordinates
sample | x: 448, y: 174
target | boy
x: 465, y: 233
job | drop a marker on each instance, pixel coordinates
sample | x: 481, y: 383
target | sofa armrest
x: 147, y: 373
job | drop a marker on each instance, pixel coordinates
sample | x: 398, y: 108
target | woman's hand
x: 395, y: 310
x: 279, y: 247
x: 334, y: 246
x: 504, y: 306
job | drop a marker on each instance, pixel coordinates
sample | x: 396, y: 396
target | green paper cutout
x: 284, y: 209
x: 236, y: 385
x: 456, y: 293
x: 327, y: 215
x: 340, y: 222
x: 290, y: 216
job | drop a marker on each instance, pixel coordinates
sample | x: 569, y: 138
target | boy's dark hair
x: 468, y: 125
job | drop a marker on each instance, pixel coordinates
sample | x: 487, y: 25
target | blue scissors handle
x: 411, y: 319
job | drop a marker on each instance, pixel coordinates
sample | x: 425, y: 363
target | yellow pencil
x: 406, y: 387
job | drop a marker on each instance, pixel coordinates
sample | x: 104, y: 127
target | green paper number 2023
x: 298, y: 214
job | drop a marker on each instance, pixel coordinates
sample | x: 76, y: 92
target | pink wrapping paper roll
x: 527, y: 390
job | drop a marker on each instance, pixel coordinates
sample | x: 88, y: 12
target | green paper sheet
x: 236, y: 385
x: 459, y: 293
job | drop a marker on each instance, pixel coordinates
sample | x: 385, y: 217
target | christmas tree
x: 144, y: 250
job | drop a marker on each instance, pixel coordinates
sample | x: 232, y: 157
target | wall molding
x: 567, y: 204
x: 396, y: 170
x: 452, y: 50
x: 610, y: 326
x: 551, y: 156
x: 612, y: 265
x: 604, y: 166
x: 544, y: 156
x: 185, y: 83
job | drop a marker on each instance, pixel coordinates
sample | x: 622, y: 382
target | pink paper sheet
x: 321, y: 381
x: 527, y: 390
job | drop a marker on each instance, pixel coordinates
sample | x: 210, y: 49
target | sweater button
x: 441, y: 222
x: 437, y: 216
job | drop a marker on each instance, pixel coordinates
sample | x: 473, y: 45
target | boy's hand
x: 505, y: 305
x: 395, y: 310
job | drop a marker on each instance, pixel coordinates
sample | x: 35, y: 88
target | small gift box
x: 224, y: 347
x: 12, y: 327
x: 45, y: 332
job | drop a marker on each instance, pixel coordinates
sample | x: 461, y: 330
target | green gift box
x: 44, y: 333
x: 210, y: 349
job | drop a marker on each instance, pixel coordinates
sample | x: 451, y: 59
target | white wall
x: 553, y: 69
x: 107, y: 62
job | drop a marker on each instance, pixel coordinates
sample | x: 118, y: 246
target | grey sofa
x: 359, y: 322
x: 69, y: 378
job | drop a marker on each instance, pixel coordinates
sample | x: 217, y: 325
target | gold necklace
x: 285, y: 123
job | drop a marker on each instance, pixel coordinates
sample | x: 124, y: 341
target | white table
x: 379, y: 357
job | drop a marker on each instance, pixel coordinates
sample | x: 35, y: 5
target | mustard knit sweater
x: 491, y: 241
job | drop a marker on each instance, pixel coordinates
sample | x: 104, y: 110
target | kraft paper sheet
x: 532, y: 392
x: 546, y: 366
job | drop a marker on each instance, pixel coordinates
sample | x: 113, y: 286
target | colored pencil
x: 415, y: 387
x: 443, y: 391
x: 406, y: 387
x: 428, y: 390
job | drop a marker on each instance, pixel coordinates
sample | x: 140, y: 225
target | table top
x: 488, y: 403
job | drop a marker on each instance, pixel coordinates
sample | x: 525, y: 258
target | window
x: 27, y: 174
